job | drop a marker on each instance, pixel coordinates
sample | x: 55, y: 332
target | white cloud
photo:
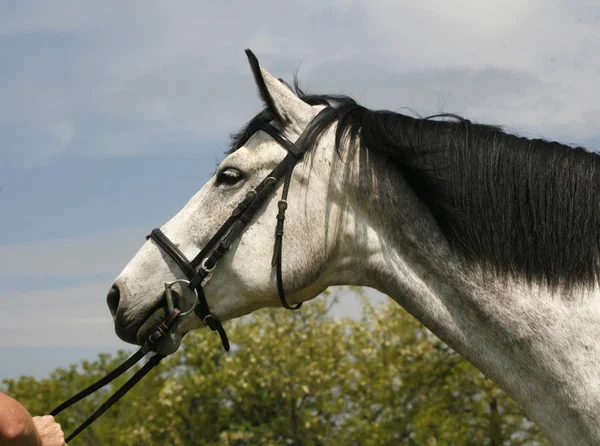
x: 75, y: 316
x: 99, y: 254
x: 119, y: 79
x: 78, y: 315
x: 474, y: 33
x: 46, y: 16
x: 34, y: 313
x: 65, y: 315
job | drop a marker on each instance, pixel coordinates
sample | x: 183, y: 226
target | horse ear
x: 277, y: 95
x: 286, y: 84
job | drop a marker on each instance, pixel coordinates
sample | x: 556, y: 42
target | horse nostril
x: 112, y: 299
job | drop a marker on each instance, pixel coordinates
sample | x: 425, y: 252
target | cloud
x: 78, y: 316
x: 536, y: 35
x: 98, y: 254
x: 65, y: 317
x: 130, y: 79
x: 114, y: 79
x: 47, y: 16
x: 53, y: 292
x: 36, y: 309
x: 517, y: 100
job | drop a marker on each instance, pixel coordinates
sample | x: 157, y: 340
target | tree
x: 298, y: 378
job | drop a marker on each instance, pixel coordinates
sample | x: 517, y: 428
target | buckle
x: 211, y: 322
x: 205, y: 268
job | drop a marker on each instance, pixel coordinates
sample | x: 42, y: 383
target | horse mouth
x: 149, y: 322
x: 152, y: 323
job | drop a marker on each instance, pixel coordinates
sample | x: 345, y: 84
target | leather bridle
x: 197, y: 270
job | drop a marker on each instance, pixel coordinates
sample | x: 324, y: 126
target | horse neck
x: 542, y: 347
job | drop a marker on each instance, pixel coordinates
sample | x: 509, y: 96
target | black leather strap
x: 130, y: 362
x: 206, y: 259
x: 152, y: 362
x: 281, y: 139
x: 174, y: 252
x: 195, y: 278
x: 162, y: 331
x: 221, y: 241
x: 278, y: 248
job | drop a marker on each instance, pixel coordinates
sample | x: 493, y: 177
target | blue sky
x: 113, y: 114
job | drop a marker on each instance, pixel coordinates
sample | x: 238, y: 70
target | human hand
x: 49, y: 431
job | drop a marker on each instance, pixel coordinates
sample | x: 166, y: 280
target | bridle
x: 198, y: 269
x: 205, y: 262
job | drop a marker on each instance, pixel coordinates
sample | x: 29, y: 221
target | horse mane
x: 517, y: 207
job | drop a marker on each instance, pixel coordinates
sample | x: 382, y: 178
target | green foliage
x: 297, y: 378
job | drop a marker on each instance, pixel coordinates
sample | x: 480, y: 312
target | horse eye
x: 228, y: 176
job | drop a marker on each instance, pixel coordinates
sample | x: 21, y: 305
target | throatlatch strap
x: 211, y: 322
x: 278, y: 248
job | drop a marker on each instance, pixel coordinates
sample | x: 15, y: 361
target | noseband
x: 200, y: 266
x: 197, y: 271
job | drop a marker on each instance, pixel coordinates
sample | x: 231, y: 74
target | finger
x: 48, y: 418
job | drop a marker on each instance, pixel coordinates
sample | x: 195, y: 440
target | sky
x: 113, y: 114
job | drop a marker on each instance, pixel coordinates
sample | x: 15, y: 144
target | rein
x: 114, y: 374
x: 199, y: 268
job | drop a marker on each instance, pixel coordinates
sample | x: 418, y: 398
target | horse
x: 491, y: 240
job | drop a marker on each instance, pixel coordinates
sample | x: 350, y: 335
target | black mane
x: 516, y: 206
